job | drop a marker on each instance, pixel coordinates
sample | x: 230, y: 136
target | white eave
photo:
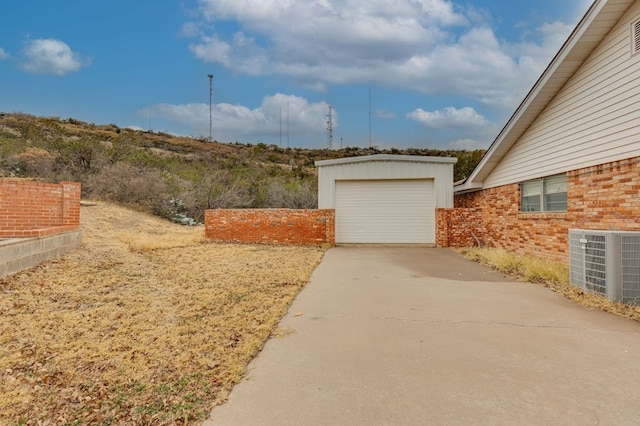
x: 599, y: 20
x: 387, y: 157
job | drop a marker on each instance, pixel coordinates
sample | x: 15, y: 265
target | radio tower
x: 329, y: 130
x: 210, y: 105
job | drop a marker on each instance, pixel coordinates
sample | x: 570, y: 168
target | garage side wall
x: 441, y: 173
x: 271, y: 226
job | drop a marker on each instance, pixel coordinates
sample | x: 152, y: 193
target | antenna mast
x: 329, y: 130
x: 369, y: 116
x: 280, y: 127
x: 210, y: 105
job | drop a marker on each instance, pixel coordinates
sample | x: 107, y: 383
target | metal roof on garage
x: 386, y: 157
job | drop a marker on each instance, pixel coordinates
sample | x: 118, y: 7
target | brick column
x: 71, y: 203
x: 442, y: 227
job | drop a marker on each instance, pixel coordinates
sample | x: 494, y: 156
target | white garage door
x: 385, y: 211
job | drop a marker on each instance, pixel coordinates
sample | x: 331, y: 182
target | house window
x: 544, y: 195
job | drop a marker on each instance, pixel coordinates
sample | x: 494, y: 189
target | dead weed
x: 553, y: 275
x: 147, y: 323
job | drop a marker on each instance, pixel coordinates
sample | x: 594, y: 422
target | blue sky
x: 397, y: 73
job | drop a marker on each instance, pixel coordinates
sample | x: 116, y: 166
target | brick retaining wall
x: 33, y: 209
x: 603, y: 197
x: 271, y: 226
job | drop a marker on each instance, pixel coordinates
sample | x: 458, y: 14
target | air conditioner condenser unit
x: 606, y: 262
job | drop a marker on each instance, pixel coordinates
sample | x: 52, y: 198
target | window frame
x: 536, y: 195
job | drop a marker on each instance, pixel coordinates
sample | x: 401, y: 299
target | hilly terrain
x: 174, y: 177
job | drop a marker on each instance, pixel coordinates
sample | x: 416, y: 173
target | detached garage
x: 385, y: 199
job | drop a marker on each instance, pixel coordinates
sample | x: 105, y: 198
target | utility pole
x: 280, y: 127
x: 369, y: 116
x: 329, y: 130
x: 210, y: 104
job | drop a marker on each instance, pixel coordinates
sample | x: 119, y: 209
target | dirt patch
x: 146, y: 323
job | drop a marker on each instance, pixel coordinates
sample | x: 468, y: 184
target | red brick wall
x: 30, y: 208
x: 271, y: 226
x: 468, y: 200
x: 604, y: 197
x: 459, y: 227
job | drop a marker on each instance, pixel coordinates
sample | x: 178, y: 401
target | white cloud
x: 239, y: 123
x: 427, y: 46
x: 241, y: 54
x: 538, y: 55
x: 450, y: 117
x: 3, y: 54
x: 443, y: 11
x: 212, y: 49
x: 480, y: 66
x: 191, y: 29
x: 263, y: 14
x: 555, y: 33
x: 464, y: 126
x: 385, y: 115
x: 468, y: 144
x: 51, y: 56
x: 435, y: 47
x: 323, y: 35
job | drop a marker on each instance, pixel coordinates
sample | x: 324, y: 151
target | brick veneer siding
x: 459, y: 227
x: 603, y: 197
x: 606, y: 196
x: 271, y: 226
x: 468, y: 200
x: 33, y: 209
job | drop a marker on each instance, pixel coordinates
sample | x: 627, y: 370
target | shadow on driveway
x: 412, y: 336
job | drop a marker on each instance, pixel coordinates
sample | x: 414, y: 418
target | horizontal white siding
x: 594, y: 119
x: 442, y: 175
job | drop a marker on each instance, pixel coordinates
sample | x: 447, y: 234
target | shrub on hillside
x: 130, y: 185
x: 222, y: 190
x: 292, y: 195
x: 33, y: 162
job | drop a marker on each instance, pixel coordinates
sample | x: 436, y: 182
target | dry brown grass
x: 146, y: 323
x: 553, y: 275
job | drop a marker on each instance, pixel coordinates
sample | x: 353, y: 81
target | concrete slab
x: 408, y: 336
x: 17, y: 254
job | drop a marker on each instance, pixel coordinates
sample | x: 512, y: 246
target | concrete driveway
x: 420, y: 336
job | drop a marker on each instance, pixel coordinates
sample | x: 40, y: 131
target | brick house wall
x: 32, y: 209
x: 606, y: 196
x: 603, y: 197
x: 271, y: 226
x: 459, y: 227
